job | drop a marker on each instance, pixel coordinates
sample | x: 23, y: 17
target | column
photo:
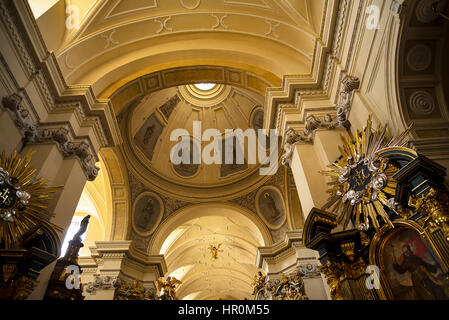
x: 307, y: 162
x: 68, y: 174
x: 289, y: 255
x: 118, y: 260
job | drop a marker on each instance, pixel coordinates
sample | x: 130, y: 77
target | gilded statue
x: 434, y: 204
x: 259, y: 283
x: 214, y: 251
x: 290, y: 287
x: 167, y: 288
x: 333, y: 271
x: 135, y: 291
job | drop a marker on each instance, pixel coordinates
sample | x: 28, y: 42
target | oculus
x: 205, y: 86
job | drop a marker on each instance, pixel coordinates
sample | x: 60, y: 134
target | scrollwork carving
x: 313, y: 123
x: 289, y: 287
x: 333, y: 271
x: 34, y: 133
x: 101, y: 283
x: 435, y: 206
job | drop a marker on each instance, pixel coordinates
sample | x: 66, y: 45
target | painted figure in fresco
x: 426, y: 285
x: 144, y: 219
x: 148, y: 134
x: 272, y: 205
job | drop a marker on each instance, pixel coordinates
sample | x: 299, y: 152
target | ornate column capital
x: 327, y: 122
x: 33, y: 132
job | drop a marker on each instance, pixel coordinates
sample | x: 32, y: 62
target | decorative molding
x: 163, y: 24
x: 328, y: 122
x: 109, y: 39
x: 35, y: 133
x: 220, y: 21
x: 100, y: 283
x: 272, y: 29
x: 419, y: 57
x: 43, y: 72
x: 422, y: 102
x: 190, y: 6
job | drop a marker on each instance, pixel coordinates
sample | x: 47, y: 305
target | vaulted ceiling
x: 105, y: 42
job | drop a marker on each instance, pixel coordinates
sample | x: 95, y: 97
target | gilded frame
x: 378, y: 246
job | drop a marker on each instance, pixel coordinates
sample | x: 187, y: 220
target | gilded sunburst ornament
x: 362, y: 186
x: 23, y: 199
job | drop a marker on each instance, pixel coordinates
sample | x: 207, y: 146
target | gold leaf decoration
x: 23, y: 199
x: 361, y: 186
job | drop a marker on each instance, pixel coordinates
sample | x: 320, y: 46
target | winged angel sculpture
x: 167, y: 288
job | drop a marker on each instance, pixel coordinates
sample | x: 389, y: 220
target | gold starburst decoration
x: 362, y: 187
x: 23, y: 199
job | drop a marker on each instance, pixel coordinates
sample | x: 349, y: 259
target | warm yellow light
x: 205, y: 86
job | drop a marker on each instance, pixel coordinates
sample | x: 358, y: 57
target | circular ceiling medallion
x: 422, y: 103
x: 419, y: 58
x: 424, y: 11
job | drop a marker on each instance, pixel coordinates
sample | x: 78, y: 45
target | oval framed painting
x: 270, y: 207
x: 148, y: 210
x: 256, y: 118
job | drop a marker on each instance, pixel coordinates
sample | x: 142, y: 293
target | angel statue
x: 259, y: 283
x: 167, y: 288
x: 214, y: 251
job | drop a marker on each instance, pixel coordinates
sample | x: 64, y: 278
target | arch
x: 118, y: 193
x: 188, y: 239
x: 135, y: 86
x: 420, y: 70
x: 201, y: 210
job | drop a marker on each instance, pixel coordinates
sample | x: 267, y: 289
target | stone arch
x: 200, y: 210
x: 186, y: 240
x: 119, y: 194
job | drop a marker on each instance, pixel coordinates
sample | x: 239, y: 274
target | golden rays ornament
x: 362, y: 187
x: 23, y: 199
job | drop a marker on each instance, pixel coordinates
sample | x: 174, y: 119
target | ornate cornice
x: 328, y: 122
x: 42, y: 71
x: 32, y: 132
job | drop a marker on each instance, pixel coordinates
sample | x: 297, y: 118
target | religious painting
x: 147, y: 213
x: 257, y: 119
x: 148, y: 135
x: 187, y: 170
x: 412, y: 268
x: 270, y: 206
x: 232, y: 147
